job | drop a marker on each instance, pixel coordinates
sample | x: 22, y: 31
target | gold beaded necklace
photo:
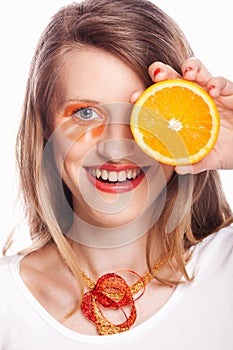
x: 112, y: 291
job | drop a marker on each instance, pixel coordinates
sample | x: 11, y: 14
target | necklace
x: 112, y: 291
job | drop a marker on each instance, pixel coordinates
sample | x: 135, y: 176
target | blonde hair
x: 138, y: 33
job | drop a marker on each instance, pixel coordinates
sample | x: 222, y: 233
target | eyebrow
x: 64, y: 103
x: 84, y: 100
x: 67, y: 104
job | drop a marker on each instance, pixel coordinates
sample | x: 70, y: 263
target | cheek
x: 157, y: 179
x: 67, y: 157
x: 69, y: 161
x: 72, y: 142
x: 168, y: 170
x: 82, y: 133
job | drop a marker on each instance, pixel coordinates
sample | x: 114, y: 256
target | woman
x: 122, y: 246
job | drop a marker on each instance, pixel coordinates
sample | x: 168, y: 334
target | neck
x: 96, y: 236
x: 96, y: 261
x: 103, y: 250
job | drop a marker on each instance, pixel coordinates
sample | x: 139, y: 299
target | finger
x: 135, y: 95
x: 190, y: 169
x: 211, y: 161
x: 220, y: 86
x: 193, y: 69
x: 159, y: 71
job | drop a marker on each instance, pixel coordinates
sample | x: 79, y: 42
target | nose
x: 117, y: 141
x: 117, y: 145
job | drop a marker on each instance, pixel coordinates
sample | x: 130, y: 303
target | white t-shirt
x: 198, y: 315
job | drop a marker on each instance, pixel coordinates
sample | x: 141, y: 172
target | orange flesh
x: 189, y: 109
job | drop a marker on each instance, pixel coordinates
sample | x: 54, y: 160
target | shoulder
x: 222, y: 239
x: 215, y: 252
x: 8, y: 268
x: 8, y: 290
x: 7, y: 261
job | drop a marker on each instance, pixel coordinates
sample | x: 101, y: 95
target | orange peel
x: 175, y: 122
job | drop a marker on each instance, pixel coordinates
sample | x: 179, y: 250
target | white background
x: 207, y: 25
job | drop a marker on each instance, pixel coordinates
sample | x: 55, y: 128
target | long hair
x: 139, y: 33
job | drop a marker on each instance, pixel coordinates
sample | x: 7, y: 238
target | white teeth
x: 98, y: 173
x: 129, y: 174
x: 121, y: 175
x: 104, y: 175
x: 114, y: 176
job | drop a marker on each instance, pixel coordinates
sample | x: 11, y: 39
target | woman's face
x: 111, y: 180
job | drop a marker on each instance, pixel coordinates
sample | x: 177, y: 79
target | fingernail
x: 213, y: 91
x: 184, y: 169
x: 157, y: 71
x: 188, y: 69
x: 212, y: 87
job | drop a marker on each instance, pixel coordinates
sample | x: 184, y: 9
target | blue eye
x: 86, y: 113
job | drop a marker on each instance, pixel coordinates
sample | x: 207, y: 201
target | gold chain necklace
x: 111, y: 291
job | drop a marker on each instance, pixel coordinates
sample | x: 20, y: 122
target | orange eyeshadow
x: 91, y: 134
x: 72, y: 108
x: 80, y: 133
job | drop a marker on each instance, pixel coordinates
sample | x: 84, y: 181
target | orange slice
x: 175, y: 121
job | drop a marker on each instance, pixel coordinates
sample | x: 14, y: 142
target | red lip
x: 115, y: 167
x: 119, y: 186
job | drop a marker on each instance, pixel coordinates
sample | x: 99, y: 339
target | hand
x: 221, y: 90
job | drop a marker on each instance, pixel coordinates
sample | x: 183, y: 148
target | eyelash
x: 77, y: 114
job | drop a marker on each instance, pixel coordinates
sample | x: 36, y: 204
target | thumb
x: 211, y: 162
x: 192, y: 168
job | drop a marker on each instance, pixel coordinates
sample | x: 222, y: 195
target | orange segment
x: 175, y: 121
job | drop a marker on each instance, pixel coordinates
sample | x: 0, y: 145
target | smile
x: 115, y: 179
